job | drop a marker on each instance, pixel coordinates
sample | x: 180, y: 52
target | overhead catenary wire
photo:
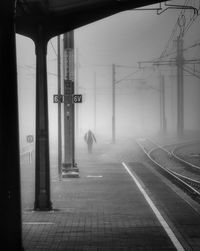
x: 34, y: 68
x: 54, y: 49
x: 190, y: 72
x: 195, y: 44
x: 174, y: 30
x: 164, y: 54
x: 190, y: 24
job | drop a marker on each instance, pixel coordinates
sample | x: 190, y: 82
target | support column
x: 69, y: 125
x: 163, y: 122
x: 95, y: 102
x: 77, y: 91
x: 42, y: 172
x: 59, y: 114
x: 113, y: 105
x: 180, y: 92
x: 10, y: 208
x: 69, y: 118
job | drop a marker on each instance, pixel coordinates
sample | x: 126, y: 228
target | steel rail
x: 182, y: 160
x: 186, y: 183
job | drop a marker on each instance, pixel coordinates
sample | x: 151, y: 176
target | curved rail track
x: 179, y: 171
x: 192, y: 159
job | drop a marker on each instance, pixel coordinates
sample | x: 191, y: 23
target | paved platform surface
x: 180, y: 212
x: 103, y: 210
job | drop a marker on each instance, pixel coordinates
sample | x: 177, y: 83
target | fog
x: 123, y: 39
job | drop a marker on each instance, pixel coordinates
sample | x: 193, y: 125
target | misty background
x: 123, y: 39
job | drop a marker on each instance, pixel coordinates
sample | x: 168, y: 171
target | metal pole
x: 180, y: 108
x: 68, y: 104
x: 113, y: 104
x: 95, y: 102
x: 162, y: 105
x: 42, y: 172
x: 59, y: 114
x: 161, y: 115
x: 11, y: 220
x: 77, y: 91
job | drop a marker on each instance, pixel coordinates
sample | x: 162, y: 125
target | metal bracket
x: 159, y: 8
x: 167, y: 6
x: 176, y: 6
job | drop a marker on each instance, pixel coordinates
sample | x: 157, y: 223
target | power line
x: 190, y: 24
x: 53, y: 49
x: 116, y: 82
x: 197, y: 43
x: 189, y: 71
x: 34, y: 67
x: 174, y: 30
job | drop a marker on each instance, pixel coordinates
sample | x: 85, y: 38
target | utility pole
x: 114, y: 82
x: 163, y: 122
x: 113, y: 104
x: 59, y: 113
x: 179, y: 62
x: 77, y: 91
x: 95, y: 93
x: 180, y: 93
x: 69, y: 142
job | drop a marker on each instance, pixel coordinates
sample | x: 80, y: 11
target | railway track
x: 192, y: 159
x: 179, y: 171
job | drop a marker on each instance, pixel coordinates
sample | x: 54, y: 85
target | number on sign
x: 29, y: 138
x: 57, y: 98
x: 77, y: 98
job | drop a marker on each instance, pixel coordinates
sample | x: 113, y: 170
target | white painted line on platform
x: 162, y: 221
x: 94, y: 176
x: 38, y: 223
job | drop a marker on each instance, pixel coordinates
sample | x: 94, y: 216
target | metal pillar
x: 69, y: 124
x: 77, y: 91
x: 180, y: 93
x: 69, y: 141
x: 42, y: 172
x: 113, y: 105
x: 59, y: 113
x: 95, y: 101
x: 10, y: 208
x: 163, y: 122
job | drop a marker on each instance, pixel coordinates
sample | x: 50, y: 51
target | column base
x: 70, y: 170
x: 42, y: 204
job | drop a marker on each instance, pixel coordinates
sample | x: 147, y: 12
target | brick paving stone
x: 92, y: 213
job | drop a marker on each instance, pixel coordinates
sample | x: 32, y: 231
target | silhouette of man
x: 89, y: 139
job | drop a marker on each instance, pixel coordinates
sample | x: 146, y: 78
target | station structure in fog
x: 179, y: 63
x: 39, y: 20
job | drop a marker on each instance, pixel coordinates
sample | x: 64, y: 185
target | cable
x: 192, y: 20
x: 116, y: 82
x: 197, y: 43
x: 53, y: 49
x: 192, y: 69
x: 188, y: 71
x: 173, y: 31
x: 33, y: 67
x: 190, y: 24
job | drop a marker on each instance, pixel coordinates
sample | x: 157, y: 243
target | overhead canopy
x: 60, y: 16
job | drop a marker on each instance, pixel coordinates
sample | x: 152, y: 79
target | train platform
x: 118, y: 203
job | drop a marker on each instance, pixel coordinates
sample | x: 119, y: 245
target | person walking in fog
x: 89, y: 139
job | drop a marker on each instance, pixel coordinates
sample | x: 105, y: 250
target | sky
x: 122, y: 39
